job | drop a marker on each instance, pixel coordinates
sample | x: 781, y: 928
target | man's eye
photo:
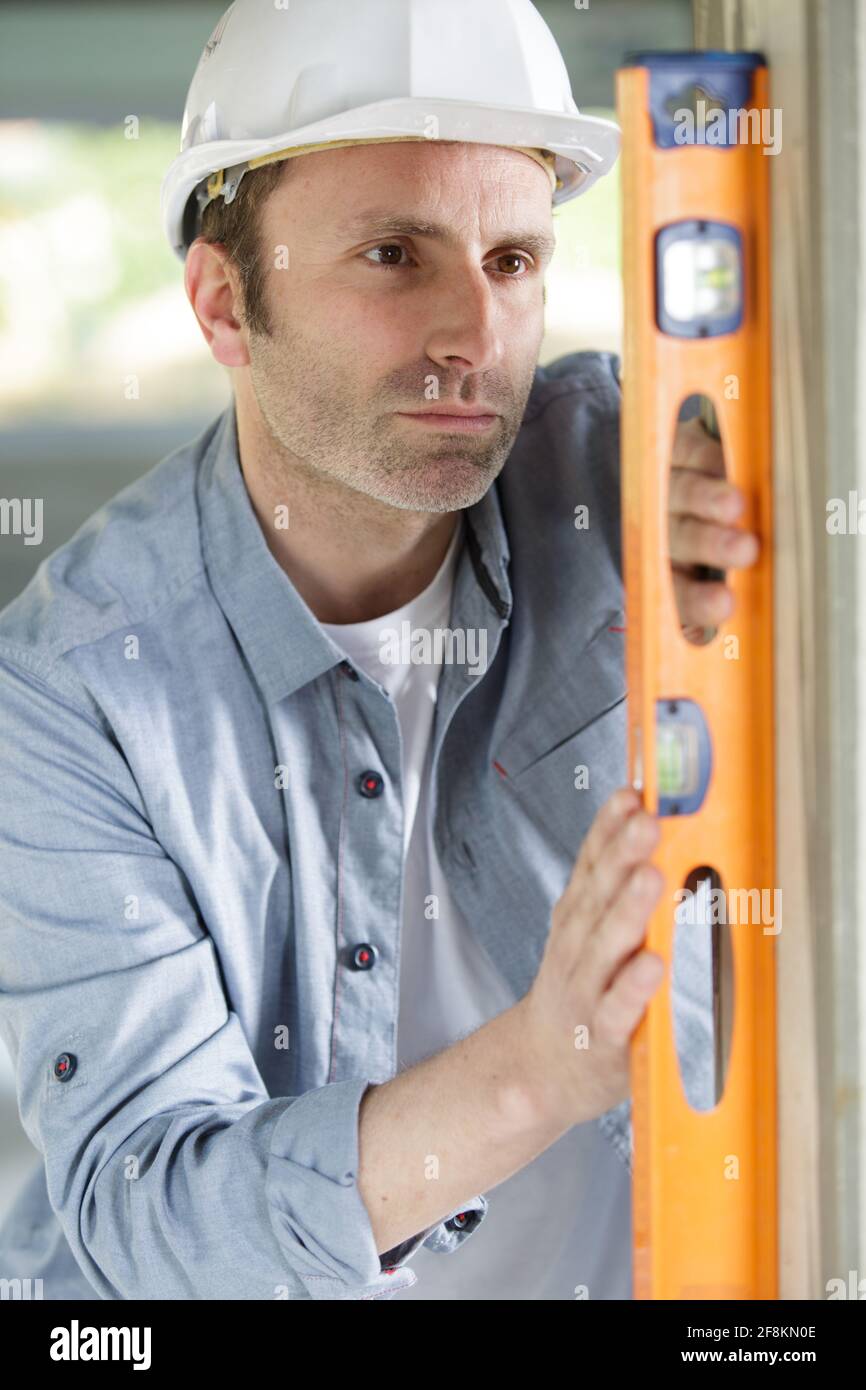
x: 512, y: 256
x: 386, y: 246
x: 395, y: 250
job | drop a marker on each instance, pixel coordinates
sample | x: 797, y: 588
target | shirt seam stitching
x: 52, y: 661
x: 23, y: 668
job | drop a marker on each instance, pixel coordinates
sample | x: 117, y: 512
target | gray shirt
x: 200, y: 898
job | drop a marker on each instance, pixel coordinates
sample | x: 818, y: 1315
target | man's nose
x: 468, y: 321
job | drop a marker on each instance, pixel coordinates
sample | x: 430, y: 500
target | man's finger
x: 701, y: 603
x: 694, y: 448
x: 695, y: 542
x: 697, y: 494
x: 621, y: 804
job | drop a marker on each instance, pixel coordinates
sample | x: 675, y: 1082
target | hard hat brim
x: 586, y: 147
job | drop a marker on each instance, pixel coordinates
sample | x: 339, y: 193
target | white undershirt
x: 563, y: 1221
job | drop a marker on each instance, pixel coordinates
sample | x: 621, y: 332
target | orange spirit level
x: 700, y: 717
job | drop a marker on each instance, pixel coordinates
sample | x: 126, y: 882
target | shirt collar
x: 281, y: 638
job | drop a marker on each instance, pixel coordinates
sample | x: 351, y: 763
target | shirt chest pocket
x: 561, y: 789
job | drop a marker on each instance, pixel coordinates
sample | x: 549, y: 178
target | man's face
x: 373, y: 320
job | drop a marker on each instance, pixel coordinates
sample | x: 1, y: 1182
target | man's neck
x: 350, y: 557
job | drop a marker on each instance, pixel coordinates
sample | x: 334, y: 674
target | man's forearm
x: 450, y: 1127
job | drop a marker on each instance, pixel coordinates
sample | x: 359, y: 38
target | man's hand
x: 595, y: 972
x: 702, y: 508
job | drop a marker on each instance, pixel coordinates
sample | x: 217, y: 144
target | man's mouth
x: 473, y: 421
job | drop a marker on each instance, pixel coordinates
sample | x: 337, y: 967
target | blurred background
x: 91, y: 97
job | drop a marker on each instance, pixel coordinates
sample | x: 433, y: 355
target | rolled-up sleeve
x: 312, y: 1187
x: 172, y: 1171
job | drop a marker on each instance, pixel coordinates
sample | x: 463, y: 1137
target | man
x: 317, y: 961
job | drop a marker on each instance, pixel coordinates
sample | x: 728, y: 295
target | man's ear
x: 212, y: 287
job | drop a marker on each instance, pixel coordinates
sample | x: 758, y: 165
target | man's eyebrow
x: 376, y: 223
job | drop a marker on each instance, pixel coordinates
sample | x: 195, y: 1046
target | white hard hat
x: 281, y: 78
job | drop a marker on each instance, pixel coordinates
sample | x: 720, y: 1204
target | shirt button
x: 364, y: 956
x: 64, y: 1066
x: 348, y: 670
x: 370, y: 784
